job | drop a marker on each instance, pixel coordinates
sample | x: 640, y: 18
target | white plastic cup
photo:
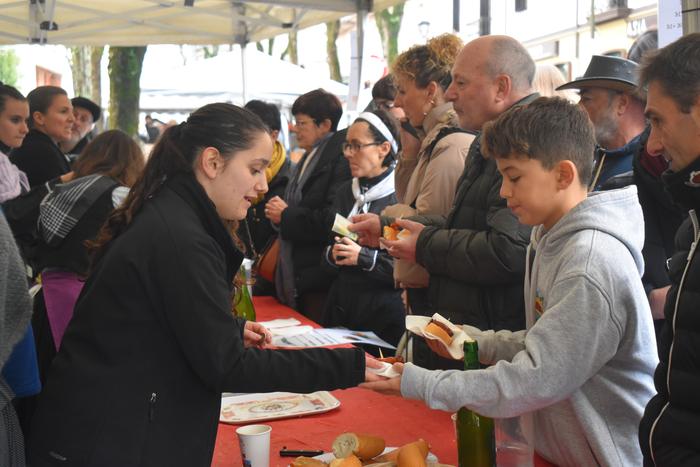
x: 255, y: 445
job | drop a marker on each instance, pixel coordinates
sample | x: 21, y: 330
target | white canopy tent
x: 218, y: 79
x: 142, y: 22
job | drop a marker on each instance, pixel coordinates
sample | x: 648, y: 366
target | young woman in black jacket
x: 153, y: 342
x: 50, y: 122
x: 363, y: 296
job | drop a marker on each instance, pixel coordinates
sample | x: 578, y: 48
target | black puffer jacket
x: 476, y: 256
x: 363, y: 297
x: 669, y: 429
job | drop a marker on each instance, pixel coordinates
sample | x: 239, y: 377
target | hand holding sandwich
x: 405, y: 246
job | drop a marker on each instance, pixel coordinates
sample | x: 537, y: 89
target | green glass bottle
x: 476, y: 442
x: 242, y: 303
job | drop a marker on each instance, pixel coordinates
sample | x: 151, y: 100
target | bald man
x: 476, y: 254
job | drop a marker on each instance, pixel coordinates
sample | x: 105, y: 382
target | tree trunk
x: 125, y: 65
x: 332, y: 28
x: 96, y: 74
x: 80, y: 66
x: 85, y: 66
x: 389, y: 25
x: 291, y: 49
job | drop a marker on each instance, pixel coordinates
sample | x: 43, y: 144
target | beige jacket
x: 428, y: 181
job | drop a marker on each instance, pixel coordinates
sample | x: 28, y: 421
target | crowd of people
x: 557, y: 230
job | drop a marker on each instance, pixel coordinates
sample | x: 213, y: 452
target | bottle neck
x: 471, y: 355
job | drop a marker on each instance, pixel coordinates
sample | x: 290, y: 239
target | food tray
x: 247, y: 408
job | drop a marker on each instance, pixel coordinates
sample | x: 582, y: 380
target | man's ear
x: 504, y: 84
x: 695, y: 113
x: 622, y: 102
x: 210, y: 162
x: 566, y: 174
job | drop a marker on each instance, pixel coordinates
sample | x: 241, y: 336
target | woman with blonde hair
x: 428, y: 169
x: 546, y: 81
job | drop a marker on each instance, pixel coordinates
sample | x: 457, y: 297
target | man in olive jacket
x: 475, y: 255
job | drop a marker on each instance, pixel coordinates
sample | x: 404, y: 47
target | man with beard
x: 608, y: 94
x: 86, y: 114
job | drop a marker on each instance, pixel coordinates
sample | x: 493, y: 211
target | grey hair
x: 508, y: 57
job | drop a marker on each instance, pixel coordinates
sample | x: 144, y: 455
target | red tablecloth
x: 398, y: 420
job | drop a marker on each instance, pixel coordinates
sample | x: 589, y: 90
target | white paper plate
x: 416, y: 324
x: 247, y: 408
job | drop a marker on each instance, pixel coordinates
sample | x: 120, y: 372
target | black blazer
x: 153, y: 343
x: 39, y: 158
x: 307, y: 225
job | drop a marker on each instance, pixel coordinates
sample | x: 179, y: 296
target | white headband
x: 377, y: 123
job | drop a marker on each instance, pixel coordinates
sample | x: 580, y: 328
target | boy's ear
x: 566, y: 174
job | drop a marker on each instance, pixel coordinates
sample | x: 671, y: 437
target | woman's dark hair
x: 392, y: 124
x: 384, y: 88
x: 268, y: 113
x: 319, y: 105
x: 40, y: 100
x: 226, y: 127
x: 7, y: 91
x: 113, y: 154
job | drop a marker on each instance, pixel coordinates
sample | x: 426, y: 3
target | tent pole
x: 243, y: 74
x: 355, y: 85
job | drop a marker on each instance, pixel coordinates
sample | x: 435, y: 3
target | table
x: 398, y: 420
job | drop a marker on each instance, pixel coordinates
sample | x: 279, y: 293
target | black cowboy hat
x: 607, y: 72
x: 87, y: 104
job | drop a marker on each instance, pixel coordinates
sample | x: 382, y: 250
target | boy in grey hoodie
x: 584, y: 365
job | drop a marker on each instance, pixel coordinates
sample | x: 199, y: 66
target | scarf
x: 13, y: 182
x: 279, y: 155
x: 364, y: 197
x: 63, y: 207
x: 285, y: 281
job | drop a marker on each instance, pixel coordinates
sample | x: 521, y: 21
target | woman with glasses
x: 301, y: 213
x: 427, y: 173
x: 363, y: 296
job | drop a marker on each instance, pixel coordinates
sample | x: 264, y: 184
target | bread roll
x: 393, y: 456
x: 350, y: 461
x: 412, y: 455
x: 307, y: 462
x: 363, y: 446
x: 441, y: 331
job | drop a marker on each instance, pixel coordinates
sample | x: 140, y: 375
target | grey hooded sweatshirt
x: 584, y: 365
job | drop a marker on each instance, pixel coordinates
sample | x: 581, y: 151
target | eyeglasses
x: 352, y: 148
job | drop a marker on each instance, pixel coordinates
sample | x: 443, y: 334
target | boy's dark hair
x: 319, y: 105
x: 549, y: 129
x: 676, y: 68
x: 268, y: 113
x: 384, y: 88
